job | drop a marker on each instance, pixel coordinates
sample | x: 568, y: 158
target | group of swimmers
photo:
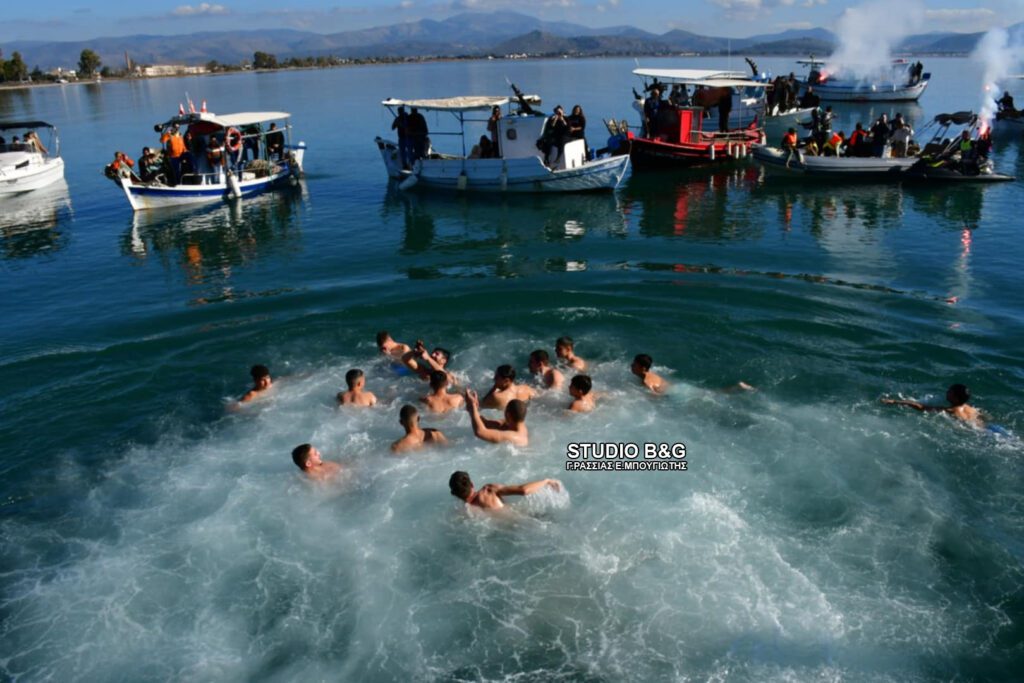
x: 511, y: 398
x: 505, y: 394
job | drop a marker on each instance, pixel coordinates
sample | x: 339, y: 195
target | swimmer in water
x: 564, y: 349
x: 389, y: 347
x: 582, y: 397
x: 423, y: 363
x: 307, y: 458
x: 356, y: 394
x: 641, y: 367
x: 490, y: 496
x: 511, y: 430
x: 440, y: 400
x: 261, y: 382
x: 957, y: 396
x: 540, y: 364
x: 415, y: 437
x: 505, y: 389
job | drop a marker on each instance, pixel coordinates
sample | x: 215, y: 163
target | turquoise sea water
x: 147, y: 533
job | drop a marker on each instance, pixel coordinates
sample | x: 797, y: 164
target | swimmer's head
x: 460, y: 485
x: 515, y: 411
x: 438, y: 379
x: 539, y: 359
x: 564, y: 347
x: 504, y: 376
x: 305, y: 456
x: 957, y: 395
x: 408, y: 416
x: 383, y: 337
x: 641, y: 364
x: 260, y: 376
x: 442, y: 356
x: 352, y: 377
x: 580, y: 386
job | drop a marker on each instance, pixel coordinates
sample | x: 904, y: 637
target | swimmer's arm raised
x: 527, y: 489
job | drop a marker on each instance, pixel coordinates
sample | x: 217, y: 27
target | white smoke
x: 999, y: 55
x: 867, y: 35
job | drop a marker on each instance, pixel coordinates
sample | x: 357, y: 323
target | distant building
x: 63, y: 73
x: 155, y: 70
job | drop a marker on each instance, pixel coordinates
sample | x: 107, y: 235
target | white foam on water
x: 800, y: 545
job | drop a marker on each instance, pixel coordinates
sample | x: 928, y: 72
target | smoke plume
x: 867, y: 35
x: 999, y: 54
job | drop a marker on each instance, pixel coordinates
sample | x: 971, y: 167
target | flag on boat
x: 181, y: 109
x: 203, y: 107
x: 191, y: 107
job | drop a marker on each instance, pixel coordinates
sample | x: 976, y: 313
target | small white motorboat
x: 902, y: 82
x: 26, y: 162
x: 517, y: 165
x: 251, y: 159
x: 798, y: 162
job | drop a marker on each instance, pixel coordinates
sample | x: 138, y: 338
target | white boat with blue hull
x: 26, y: 162
x: 518, y: 166
x: 254, y: 159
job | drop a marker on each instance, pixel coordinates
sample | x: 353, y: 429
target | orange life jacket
x: 175, y: 144
x: 789, y: 140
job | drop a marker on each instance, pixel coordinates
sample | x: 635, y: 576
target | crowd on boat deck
x: 884, y: 137
x: 412, y: 130
x: 203, y: 148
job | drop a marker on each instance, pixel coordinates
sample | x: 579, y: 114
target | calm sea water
x: 147, y: 533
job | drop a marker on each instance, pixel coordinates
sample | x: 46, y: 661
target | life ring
x: 233, y: 139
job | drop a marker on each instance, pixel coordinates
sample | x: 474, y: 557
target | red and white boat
x: 686, y: 133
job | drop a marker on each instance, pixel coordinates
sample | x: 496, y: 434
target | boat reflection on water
x: 822, y: 208
x: 952, y: 206
x: 30, y: 223
x: 456, y: 236
x: 208, y: 244
x: 694, y: 203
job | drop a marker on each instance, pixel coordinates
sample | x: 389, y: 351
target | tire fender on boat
x: 234, y: 189
x: 462, y: 181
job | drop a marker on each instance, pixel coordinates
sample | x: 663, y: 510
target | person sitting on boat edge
x: 834, y: 146
x: 150, y: 165
x: 484, y: 149
x: 857, y: 144
x: 120, y: 167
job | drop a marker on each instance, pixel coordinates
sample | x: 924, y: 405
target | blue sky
x: 81, y: 19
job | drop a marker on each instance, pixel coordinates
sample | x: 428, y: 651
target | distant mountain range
x: 474, y: 34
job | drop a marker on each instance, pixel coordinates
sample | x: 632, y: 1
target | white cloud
x: 406, y: 4
x: 200, y: 9
x: 795, y: 25
x: 963, y: 19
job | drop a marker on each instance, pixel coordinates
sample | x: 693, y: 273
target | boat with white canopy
x: 211, y: 158
x: 26, y: 161
x: 516, y: 165
x: 901, y: 81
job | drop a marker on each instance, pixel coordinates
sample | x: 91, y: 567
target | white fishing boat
x: 516, y: 166
x: 26, y: 161
x: 798, y: 162
x: 902, y: 81
x: 252, y: 159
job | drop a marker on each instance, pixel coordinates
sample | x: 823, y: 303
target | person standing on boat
x: 493, y: 126
x: 401, y: 127
x: 578, y: 126
x: 880, y: 135
x: 175, y: 150
x: 275, y: 143
x: 652, y: 106
x: 724, y: 109
x: 1006, y: 104
x: 809, y: 99
x: 417, y: 131
x: 556, y: 133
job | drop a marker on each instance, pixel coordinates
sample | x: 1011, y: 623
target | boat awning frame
x: 228, y: 120
x: 464, y: 103
x: 27, y: 125
x: 704, y: 77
